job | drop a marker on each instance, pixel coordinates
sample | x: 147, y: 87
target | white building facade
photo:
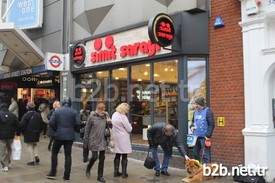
x: 258, y: 27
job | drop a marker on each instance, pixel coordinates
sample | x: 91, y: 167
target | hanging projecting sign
x: 161, y: 30
x: 25, y: 14
x: 54, y: 61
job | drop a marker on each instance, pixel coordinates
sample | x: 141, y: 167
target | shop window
x: 166, y: 92
x: 196, y: 83
x: 94, y: 87
x: 118, y: 88
x: 140, y: 98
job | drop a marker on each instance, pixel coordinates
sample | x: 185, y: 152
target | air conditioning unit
x: 201, y: 5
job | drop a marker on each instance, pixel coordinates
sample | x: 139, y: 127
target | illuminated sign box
x: 25, y: 14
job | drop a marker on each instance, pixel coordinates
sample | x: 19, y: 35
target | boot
x: 116, y: 168
x: 89, y: 166
x: 124, y: 168
x: 100, y: 171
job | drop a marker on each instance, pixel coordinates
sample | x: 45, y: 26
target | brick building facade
x: 227, y: 82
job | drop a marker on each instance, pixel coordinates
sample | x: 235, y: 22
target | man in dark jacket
x: 166, y: 136
x: 8, y: 127
x: 202, y: 127
x: 64, y: 121
x: 31, y: 125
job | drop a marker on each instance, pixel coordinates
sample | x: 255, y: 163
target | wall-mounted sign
x: 251, y: 7
x: 78, y: 56
x: 25, y: 14
x: 54, y: 61
x: 221, y: 121
x: 132, y: 44
x: 218, y: 22
x: 161, y: 30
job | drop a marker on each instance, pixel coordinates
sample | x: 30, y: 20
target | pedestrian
x: 121, y: 137
x: 56, y: 105
x: 14, y: 107
x: 84, y: 118
x: 64, y: 121
x: 166, y: 136
x: 44, y: 111
x: 94, y: 138
x: 202, y: 127
x: 31, y: 125
x: 8, y: 128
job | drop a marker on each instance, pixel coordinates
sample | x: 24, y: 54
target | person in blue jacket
x: 202, y: 127
x: 64, y: 122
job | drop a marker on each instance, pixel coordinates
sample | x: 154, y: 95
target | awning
x: 20, y: 44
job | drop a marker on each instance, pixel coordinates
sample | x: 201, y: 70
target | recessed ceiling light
x: 100, y: 72
x: 139, y: 79
x: 145, y: 73
x: 116, y: 78
x: 147, y: 65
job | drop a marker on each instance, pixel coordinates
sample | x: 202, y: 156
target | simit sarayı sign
x: 161, y: 30
x: 118, y: 47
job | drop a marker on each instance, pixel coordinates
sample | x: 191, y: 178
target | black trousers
x: 68, y: 156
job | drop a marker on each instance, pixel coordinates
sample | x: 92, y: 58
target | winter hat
x: 30, y: 105
x: 200, y: 101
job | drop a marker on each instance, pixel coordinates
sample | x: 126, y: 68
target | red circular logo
x: 55, y: 61
x: 109, y: 41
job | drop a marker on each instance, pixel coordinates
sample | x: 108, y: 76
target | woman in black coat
x: 31, y: 125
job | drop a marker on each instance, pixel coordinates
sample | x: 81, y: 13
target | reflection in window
x: 196, y: 83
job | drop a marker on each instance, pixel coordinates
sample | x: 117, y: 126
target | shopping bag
x: 191, y: 140
x: 149, y: 162
x: 16, y: 148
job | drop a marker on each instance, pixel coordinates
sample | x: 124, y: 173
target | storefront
x: 31, y: 84
x: 160, y: 84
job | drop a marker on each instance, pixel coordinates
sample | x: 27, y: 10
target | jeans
x: 165, y: 161
x: 206, y: 151
x: 68, y: 158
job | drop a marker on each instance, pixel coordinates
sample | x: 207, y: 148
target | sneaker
x: 50, y: 176
x: 5, y: 169
x: 31, y: 163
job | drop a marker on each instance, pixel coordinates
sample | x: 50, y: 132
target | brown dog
x: 195, y: 172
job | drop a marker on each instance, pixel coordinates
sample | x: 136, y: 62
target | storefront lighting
x: 171, y: 70
x: 116, y: 78
x: 99, y: 72
x: 139, y: 79
x: 166, y: 69
x: 90, y: 76
x: 147, y: 65
x: 121, y: 69
x: 156, y: 75
x: 145, y: 73
x: 84, y: 90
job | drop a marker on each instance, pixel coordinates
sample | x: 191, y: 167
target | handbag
x: 149, y: 162
x: 16, y: 148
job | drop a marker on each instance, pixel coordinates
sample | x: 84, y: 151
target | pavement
x: 20, y: 172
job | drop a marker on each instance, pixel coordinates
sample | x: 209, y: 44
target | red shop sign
x: 161, y: 30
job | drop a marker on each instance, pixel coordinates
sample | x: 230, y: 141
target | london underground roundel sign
x: 161, y: 30
x: 55, y: 61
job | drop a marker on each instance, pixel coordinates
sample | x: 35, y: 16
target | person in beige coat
x: 14, y: 107
x: 121, y: 136
x: 94, y: 138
